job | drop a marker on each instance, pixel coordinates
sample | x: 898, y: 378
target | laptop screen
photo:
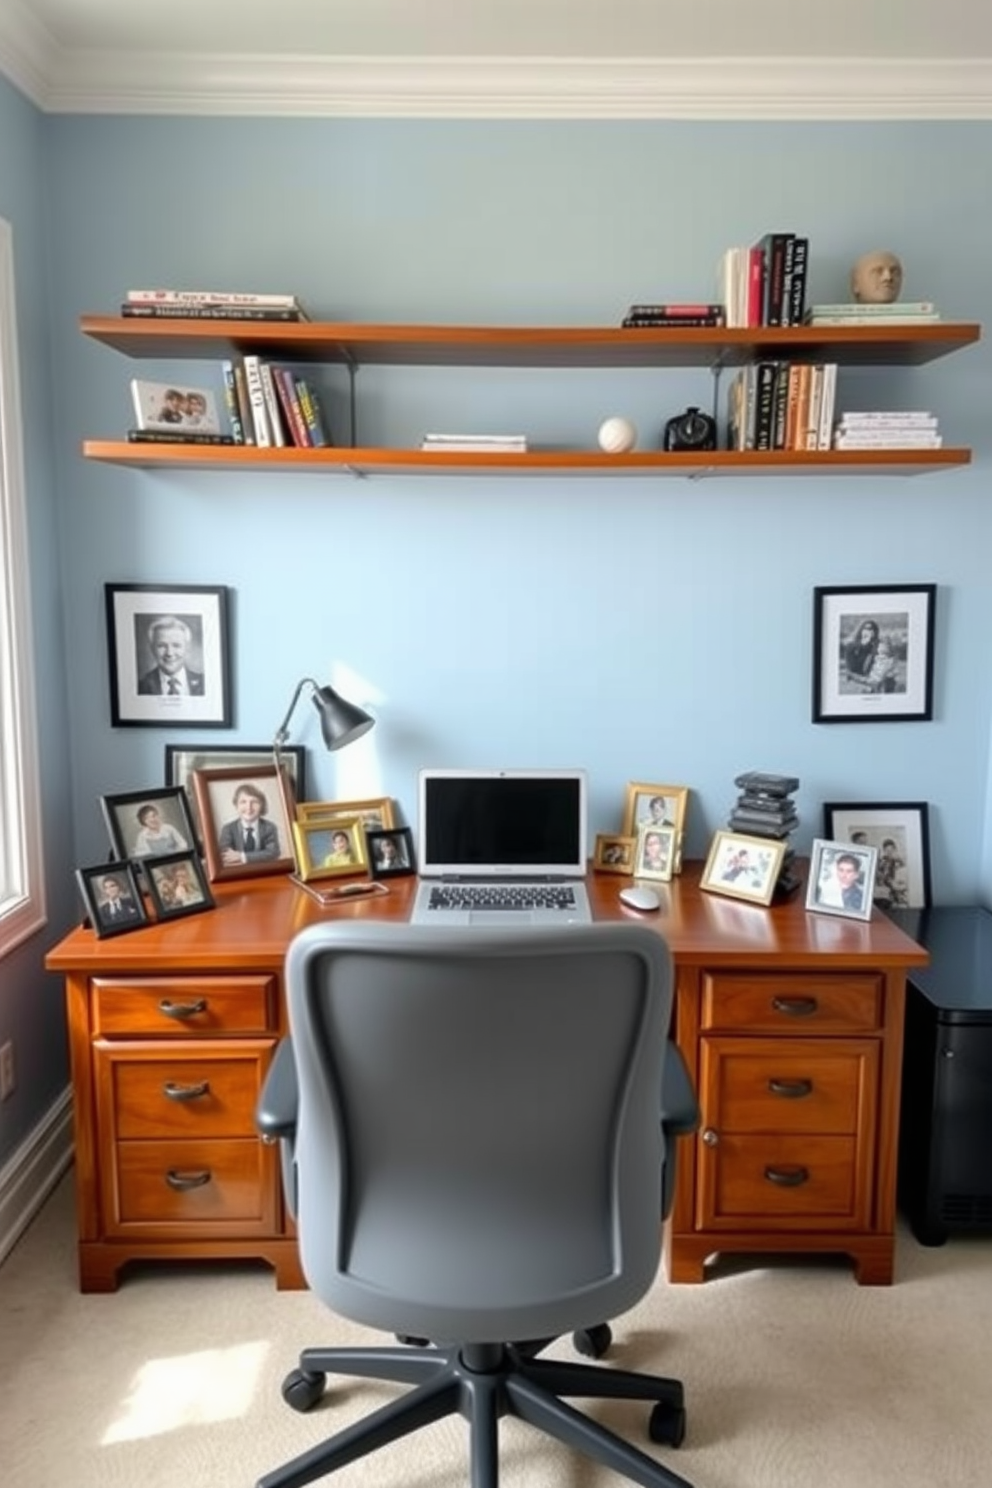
x: 512, y: 823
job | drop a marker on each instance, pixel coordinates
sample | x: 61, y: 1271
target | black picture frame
x: 177, y: 885
x: 182, y: 759
x: 402, y: 842
x: 191, y: 619
x: 873, y: 653
x: 900, y: 830
x: 132, y: 830
x: 94, y: 882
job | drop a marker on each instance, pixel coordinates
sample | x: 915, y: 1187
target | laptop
x: 502, y: 847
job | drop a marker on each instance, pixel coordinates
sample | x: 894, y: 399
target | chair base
x: 482, y: 1382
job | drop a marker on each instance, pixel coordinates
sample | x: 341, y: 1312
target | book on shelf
x: 892, y: 439
x: 256, y: 398
x: 873, y: 312
x: 273, y: 408
x: 780, y: 405
x: 231, y: 399
x: 480, y: 443
x: 209, y: 312
x: 313, y: 417
x: 177, y: 436
x: 213, y: 299
x: 869, y: 418
x: 174, y: 406
x: 673, y: 309
x: 764, y: 283
x: 672, y: 322
x: 285, y: 385
x: 244, y: 403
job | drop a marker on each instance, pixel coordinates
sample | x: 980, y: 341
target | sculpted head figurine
x: 876, y: 278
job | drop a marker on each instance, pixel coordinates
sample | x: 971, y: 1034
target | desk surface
x: 256, y: 918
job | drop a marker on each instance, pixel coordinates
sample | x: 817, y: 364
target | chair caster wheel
x: 412, y: 1340
x: 302, y: 1390
x: 593, y: 1342
x: 667, y: 1424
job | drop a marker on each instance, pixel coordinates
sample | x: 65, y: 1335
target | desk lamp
x: 341, y: 722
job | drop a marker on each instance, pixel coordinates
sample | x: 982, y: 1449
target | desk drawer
x: 796, y: 1004
x: 177, y: 1007
x: 202, y: 1088
x: 780, y: 1182
x: 805, y: 1085
x: 202, y: 1188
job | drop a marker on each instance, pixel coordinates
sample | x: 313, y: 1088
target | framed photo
x: 391, y: 853
x: 149, y: 824
x: 375, y: 815
x: 614, y: 854
x: 900, y: 830
x: 177, y: 885
x: 330, y: 849
x: 168, y: 654
x: 841, y: 879
x: 743, y: 867
x: 246, y: 817
x: 656, y: 805
x: 873, y: 653
x: 113, y: 902
x: 169, y: 406
x: 655, y: 854
x: 182, y: 759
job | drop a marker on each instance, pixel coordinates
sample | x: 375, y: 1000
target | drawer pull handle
x: 795, y: 1007
x: 182, y: 1009
x: 175, y: 1092
x: 787, y: 1177
x: 791, y: 1089
x: 181, y: 1182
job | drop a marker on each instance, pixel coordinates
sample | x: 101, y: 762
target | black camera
x: 691, y: 430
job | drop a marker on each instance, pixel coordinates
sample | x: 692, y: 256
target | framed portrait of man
x: 168, y: 655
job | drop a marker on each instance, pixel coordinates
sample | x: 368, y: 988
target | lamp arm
x: 282, y: 732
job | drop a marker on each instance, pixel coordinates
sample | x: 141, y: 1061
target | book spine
x: 790, y: 248
x: 780, y: 406
x: 680, y: 322
x: 209, y: 297
x: 207, y: 312
x: 231, y: 399
x: 775, y: 279
x: 796, y: 303
x: 858, y: 307
x: 256, y: 397
x: 244, y: 403
x: 674, y: 310
x: 177, y: 436
x: 791, y: 406
x: 310, y: 409
x: 827, y: 400
x: 286, y: 389
x: 765, y: 395
x: 871, y: 320
x: 812, y: 430
x: 272, y: 406
x: 802, y: 406
x: 755, y: 286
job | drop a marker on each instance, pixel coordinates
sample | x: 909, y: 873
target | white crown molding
x: 839, y: 88
x: 28, y: 52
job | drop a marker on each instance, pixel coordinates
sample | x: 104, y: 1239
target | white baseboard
x: 33, y: 1171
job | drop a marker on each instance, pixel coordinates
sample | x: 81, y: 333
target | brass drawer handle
x: 787, y: 1177
x: 795, y: 1007
x: 175, y: 1092
x: 791, y: 1089
x: 182, y: 1009
x: 183, y: 1181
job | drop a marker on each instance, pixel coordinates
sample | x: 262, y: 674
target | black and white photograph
x: 182, y: 759
x: 841, y: 879
x: 246, y: 817
x: 900, y: 833
x: 112, y: 898
x: 873, y: 653
x: 177, y: 886
x: 168, y: 407
x: 168, y: 655
x: 149, y: 823
x: 391, y: 853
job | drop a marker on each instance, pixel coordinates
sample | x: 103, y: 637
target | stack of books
x: 764, y: 284
x: 673, y: 314
x: 782, y: 406
x: 907, y: 312
x: 878, y: 430
x: 210, y: 304
x: 503, y: 444
x: 765, y: 808
x: 271, y: 406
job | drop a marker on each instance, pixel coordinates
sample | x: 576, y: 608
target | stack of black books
x: 673, y: 314
x: 765, y: 808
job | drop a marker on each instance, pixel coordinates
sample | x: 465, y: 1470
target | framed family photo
x: 614, y: 854
x: 112, y: 898
x: 841, y: 879
x: 655, y: 805
x: 150, y: 823
x: 654, y: 856
x: 182, y: 759
x: 330, y: 849
x: 900, y: 832
x: 743, y: 867
x: 873, y: 653
x: 168, y: 655
x: 391, y: 853
x: 246, y: 816
x: 177, y: 885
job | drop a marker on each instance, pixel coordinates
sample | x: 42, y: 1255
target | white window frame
x: 22, y: 888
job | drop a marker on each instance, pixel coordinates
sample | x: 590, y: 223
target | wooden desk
x: 791, y: 1025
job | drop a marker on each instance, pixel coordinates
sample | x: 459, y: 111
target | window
x: 22, y: 905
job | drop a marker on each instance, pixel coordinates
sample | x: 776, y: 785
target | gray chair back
x: 478, y: 1149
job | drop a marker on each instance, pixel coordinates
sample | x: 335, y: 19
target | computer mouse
x: 639, y: 896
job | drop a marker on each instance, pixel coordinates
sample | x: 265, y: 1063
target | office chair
x: 472, y: 1147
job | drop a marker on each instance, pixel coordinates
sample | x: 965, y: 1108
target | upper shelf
x: 527, y: 346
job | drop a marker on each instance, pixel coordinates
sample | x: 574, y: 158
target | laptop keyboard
x: 502, y: 896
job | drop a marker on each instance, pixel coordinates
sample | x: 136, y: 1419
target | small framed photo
x: 873, y: 653
x: 246, y: 816
x: 614, y: 854
x: 900, y: 830
x: 656, y: 850
x: 375, y: 815
x: 841, y: 879
x: 168, y: 407
x: 149, y: 824
x: 743, y: 867
x: 330, y: 849
x: 656, y: 805
x: 391, y: 853
x: 168, y: 655
x: 182, y: 759
x: 113, y: 901
x: 177, y: 885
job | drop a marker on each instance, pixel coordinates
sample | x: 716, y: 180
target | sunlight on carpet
x: 189, y: 1390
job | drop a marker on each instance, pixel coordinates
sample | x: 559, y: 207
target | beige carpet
x: 795, y: 1378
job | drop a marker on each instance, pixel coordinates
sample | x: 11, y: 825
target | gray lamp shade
x: 341, y: 722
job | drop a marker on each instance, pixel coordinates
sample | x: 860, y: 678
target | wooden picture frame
x: 873, y: 653
x: 182, y: 759
x: 177, y: 885
x: 160, y: 635
x: 642, y: 805
x: 391, y: 853
x: 743, y: 867
x: 900, y: 830
x: 149, y: 823
x: 614, y: 853
x: 841, y: 879
x: 656, y: 851
x: 376, y: 815
x: 333, y: 848
x: 224, y: 798
x: 105, y: 884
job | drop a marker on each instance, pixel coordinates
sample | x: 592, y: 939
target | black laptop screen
x: 502, y: 822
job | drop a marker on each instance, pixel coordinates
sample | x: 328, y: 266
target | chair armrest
x: 679, y: 1109
x: 276, y: 1113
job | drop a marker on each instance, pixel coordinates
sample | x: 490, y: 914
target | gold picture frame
x: 641, y: 806
x: 613, y: 853
x: 743, y: 867
x: 376, y: 815
x: 332, y: 847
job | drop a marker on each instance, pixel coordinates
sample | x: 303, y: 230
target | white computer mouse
x: 639, y: 896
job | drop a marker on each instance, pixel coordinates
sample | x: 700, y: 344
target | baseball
x: 617, y: 436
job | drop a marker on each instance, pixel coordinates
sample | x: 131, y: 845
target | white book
x: 256, y: 397
x: 272, y: 407
x: 876, y: 312
x: 827, y: 401
x: 870, y: 419
x: 888, y: 441
x: 811, y: 434
x: 475, y: 446
x: 209, y: 297
x: 475, y: 438
x: 172, y: 407
x: 872, y: 320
